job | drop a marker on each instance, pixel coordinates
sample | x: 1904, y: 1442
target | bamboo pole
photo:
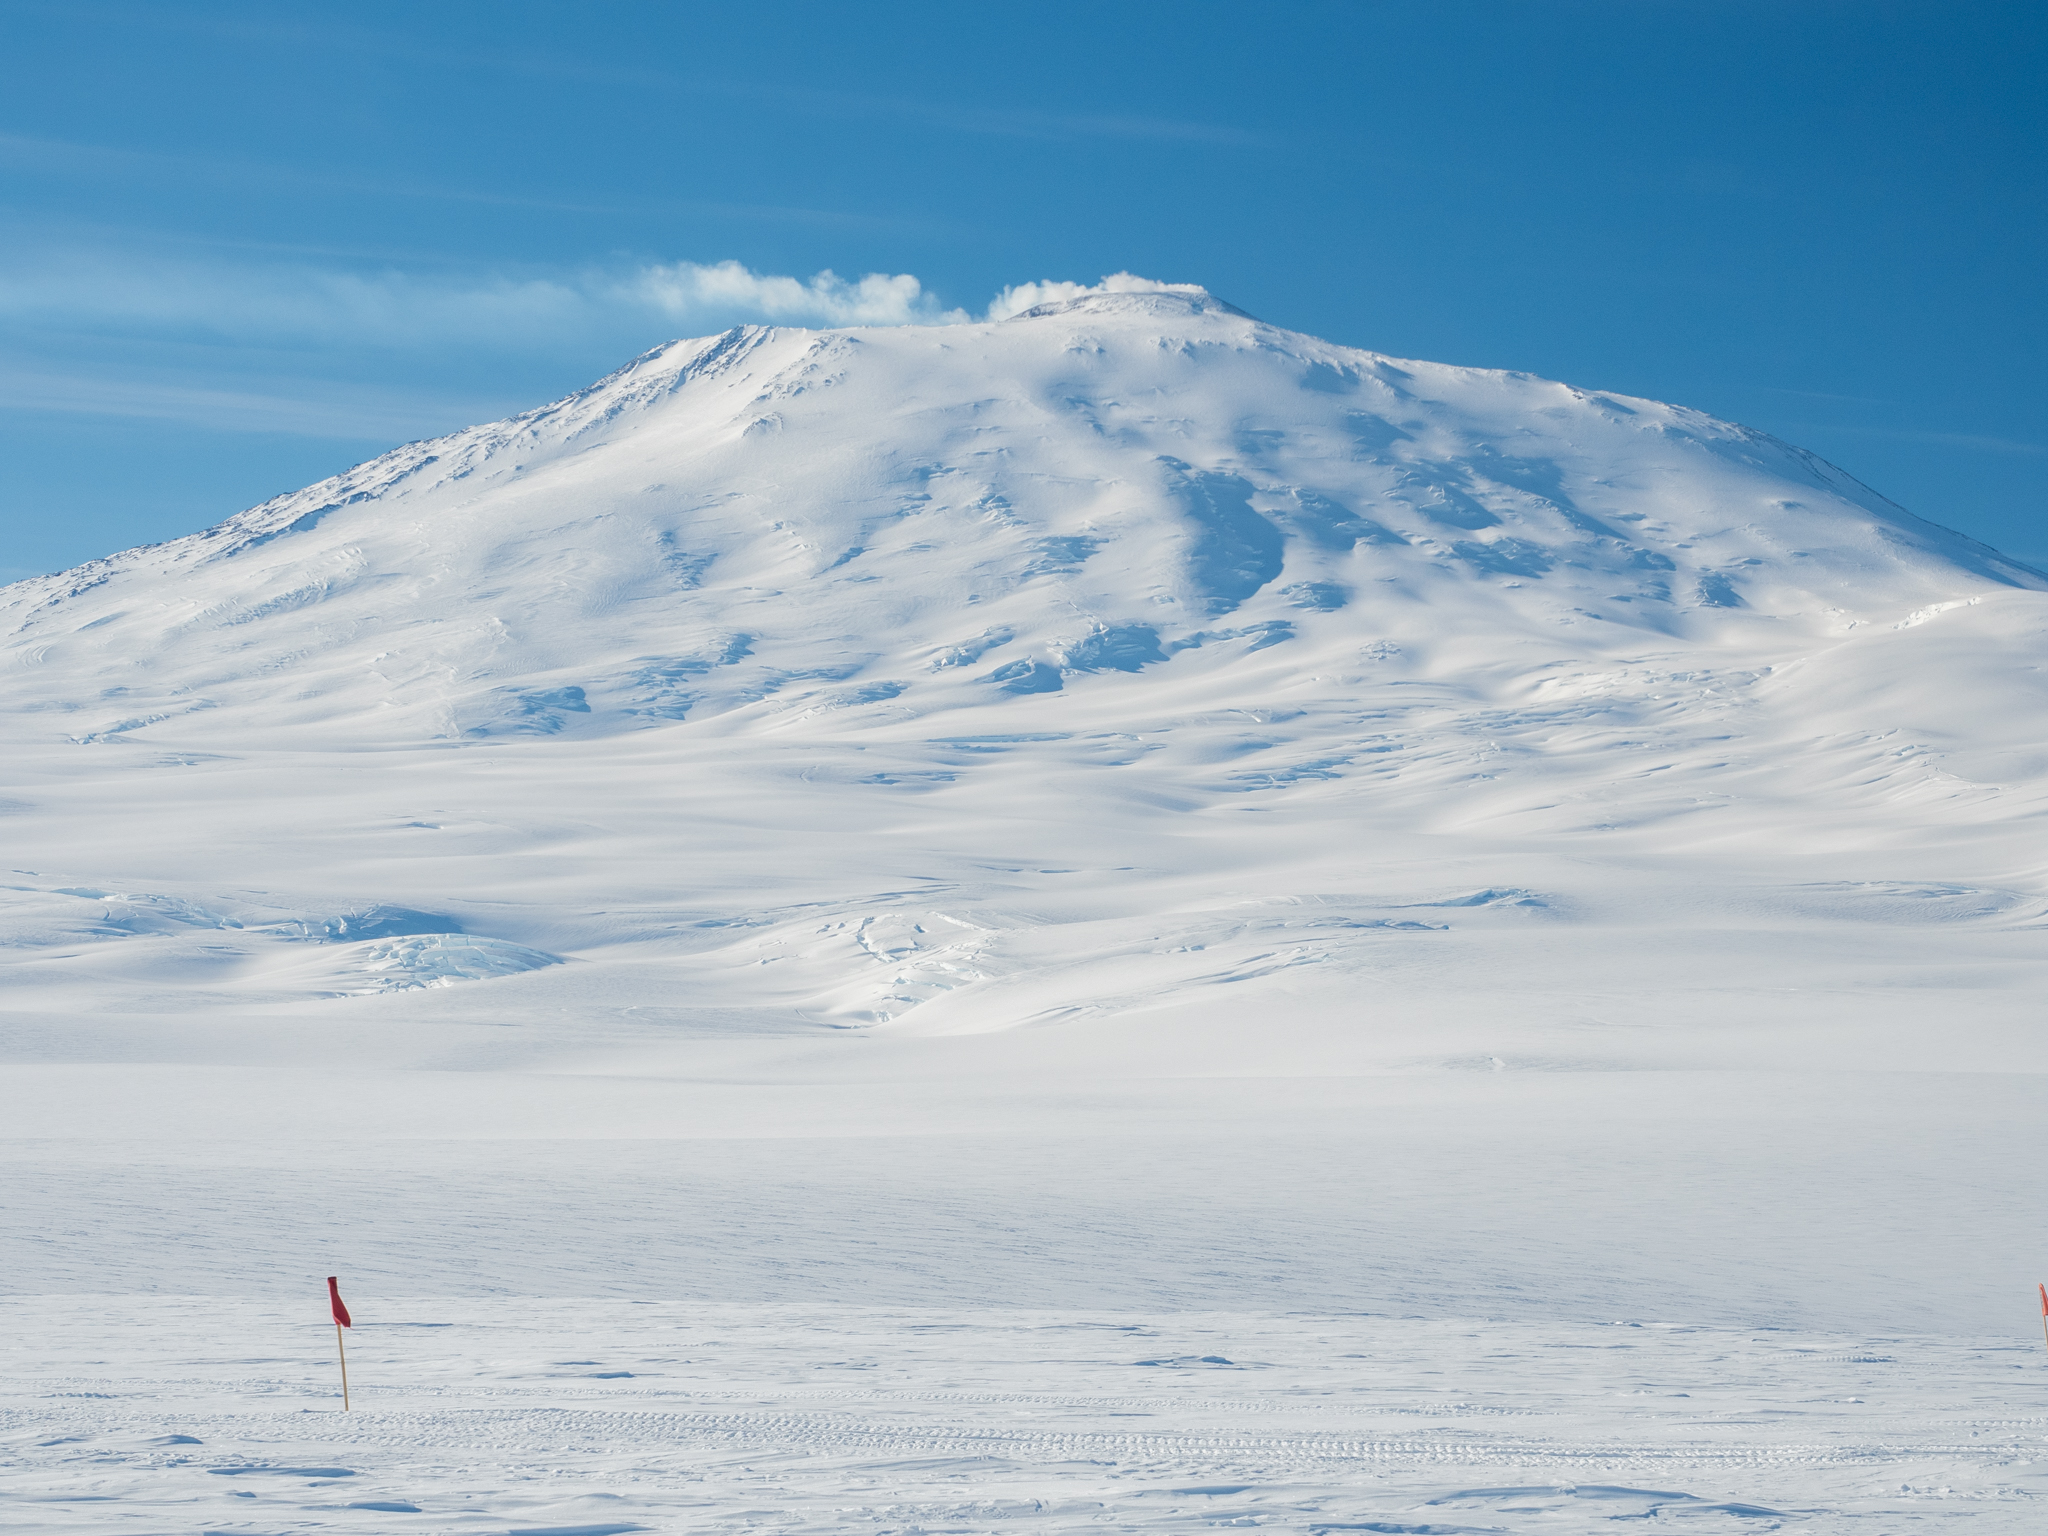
x: 342, y: 1350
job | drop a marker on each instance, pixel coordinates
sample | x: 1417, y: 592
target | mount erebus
x: 1446, y: 792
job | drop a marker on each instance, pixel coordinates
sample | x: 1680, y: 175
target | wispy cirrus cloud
x: 72, y: 160
x: 293, y: 405
x: 1972, y: 442
x: 299, y: 304
x: 335, y: 33
x: 386, y: 352
x: 286, y: 303
x: 1005, y: 122
x: 373, y: 352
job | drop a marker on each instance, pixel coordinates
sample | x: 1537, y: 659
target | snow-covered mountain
x: 1145, y: 486
x: 1222, y: 704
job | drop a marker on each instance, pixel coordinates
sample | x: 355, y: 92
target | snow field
x: 532, y: 1415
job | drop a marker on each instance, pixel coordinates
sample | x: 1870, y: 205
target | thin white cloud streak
x: 71, y: 159
x: 237, y: 329
x: 974, y: 118
x: 293, y: 407
x: 301, y: 305
x: 1974, y: 441
x: 1000, y: 122
x: 296, y: 305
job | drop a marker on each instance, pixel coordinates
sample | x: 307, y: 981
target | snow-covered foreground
x: 189, y: 1415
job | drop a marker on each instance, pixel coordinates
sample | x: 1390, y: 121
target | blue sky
x: 247, y: 245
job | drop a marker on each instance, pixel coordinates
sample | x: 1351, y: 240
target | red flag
x: 334, y: 1296
x: 2044, y: 1301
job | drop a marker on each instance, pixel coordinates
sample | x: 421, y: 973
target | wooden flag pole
x: 341, y: 1320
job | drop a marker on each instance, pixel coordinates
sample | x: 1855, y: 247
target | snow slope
x: 1127, y: 806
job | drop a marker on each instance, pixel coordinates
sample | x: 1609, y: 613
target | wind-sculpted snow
x: 420, y: 960
x: 1162, y: 796
x: 1235, y: 551
x: 373, y: 949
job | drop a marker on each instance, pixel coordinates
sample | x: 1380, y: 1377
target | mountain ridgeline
x: 1114, y: 492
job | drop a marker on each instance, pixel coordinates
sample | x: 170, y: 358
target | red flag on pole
x: 2044, y: 1301
x: 340, y: 1322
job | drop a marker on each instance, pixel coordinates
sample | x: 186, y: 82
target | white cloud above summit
x: 1022, y: 296
x: 296, y: 303
x: 300, y: 302
x: 320, y: 343
x: 687, y: 290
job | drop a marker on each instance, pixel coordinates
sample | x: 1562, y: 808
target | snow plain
x: 601, y: 1418
x: 930, y: 847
